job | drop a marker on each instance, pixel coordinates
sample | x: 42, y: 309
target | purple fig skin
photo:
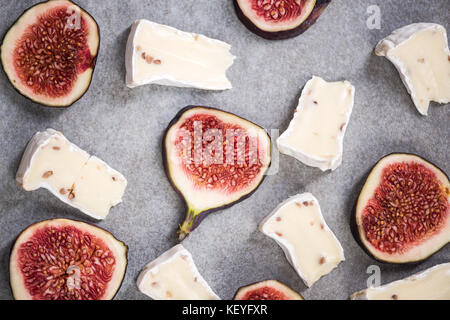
x: 50, y: 220
x: 286, y: 34
x: 354, y: 228
x: 271, y: 284
x: 193, y: 218
x: 94, y: 58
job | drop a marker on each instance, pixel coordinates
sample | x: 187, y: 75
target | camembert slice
x: 316, y: 133
x: 421, y: 55
x: 85, y: 182
x: 174, y: 276
x: 163, y: 55
x: 431, y: 284
x: 297, y: 225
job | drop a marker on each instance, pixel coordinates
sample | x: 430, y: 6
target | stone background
x: 124, y: 127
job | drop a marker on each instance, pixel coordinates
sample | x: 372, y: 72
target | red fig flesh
x: 214, y: 159
x: 49, y: 53
x: 279, y: 19
x: 62, y: 259
x: 403, y: 210
x: 267, y: 290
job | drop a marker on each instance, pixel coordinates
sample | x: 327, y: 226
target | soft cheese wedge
x: 85, y: 182
x: 174, y: 276
x: 421, y: 55
x: 163, y: 55
x: 316, y: 133
x: 297, y: 225
x: 431, y: 284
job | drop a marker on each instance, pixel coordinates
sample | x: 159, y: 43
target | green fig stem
x: 187, y: 226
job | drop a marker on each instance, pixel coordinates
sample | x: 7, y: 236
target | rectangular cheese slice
x: 431, y: 284
x: 163, y: 55
x: 174, y: 276
x: 297, y: 225
x: 420, y: 53
x: 85, y: 182
x: 316, y: 133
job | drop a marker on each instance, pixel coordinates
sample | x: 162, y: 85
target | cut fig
x: 403, y: 214
x: 214, y: 159
x: 279, y: 19
x: 267, y: 290
x: 49, y: 53
x: 62, y: 259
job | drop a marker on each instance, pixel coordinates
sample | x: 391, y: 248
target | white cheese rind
x: 176, y: 57
x: 332, y: 104
x: 175, y: 286
x: 431, y: 284
x: 408, y: 35
x: 314, y: 234
x: 98, y: 186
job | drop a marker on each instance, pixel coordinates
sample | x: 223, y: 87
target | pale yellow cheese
x: 431, y: 284
x: 310, y: 246
x: 174, y: 276
x: 420, y: 53
x: 428, y: 66
x: 51, y: 163
x: 164, y: 55
x: 78, y: 179
x: 316, y: 132
x: 97, y: 187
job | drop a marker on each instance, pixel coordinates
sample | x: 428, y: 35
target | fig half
x: 403, y: 214
x: 267, y: 290
x: 49, y: 53
x: 279, y: 19
x: 63, y: 259
x: 214, y: 159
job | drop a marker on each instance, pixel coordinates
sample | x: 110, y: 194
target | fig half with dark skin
x: 267, y: 290
x: 62, y: 259
x: 49, y: 53
x: 214, y: 159
x: 403, y: 211
x: 279, y: 19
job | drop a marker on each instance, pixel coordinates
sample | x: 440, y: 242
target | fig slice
x: 267, y: 290
x: 62, y: 259
x: 403, y: 214
x: 214, y: 159
x: 279, y: 19
x: 49, y: 53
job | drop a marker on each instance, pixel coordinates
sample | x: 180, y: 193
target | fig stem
x: 188, y: 224
x: 182, y: 235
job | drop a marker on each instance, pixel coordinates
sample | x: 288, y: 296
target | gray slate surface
x: 125, y: 126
